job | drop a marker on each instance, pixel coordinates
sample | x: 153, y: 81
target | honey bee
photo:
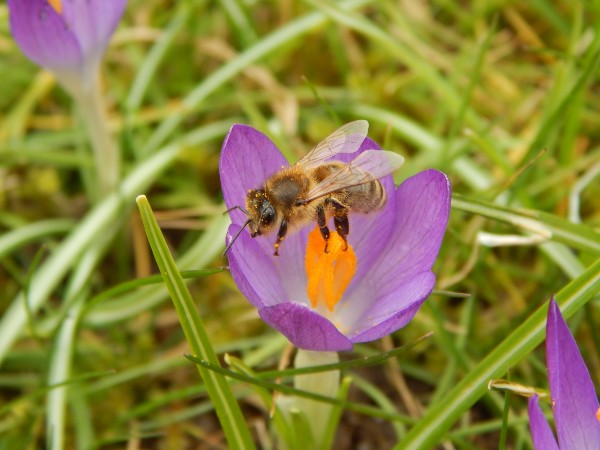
x: 317, y: 189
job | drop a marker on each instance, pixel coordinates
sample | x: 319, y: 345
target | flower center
x: 329, y: 274
x: 56, y: 5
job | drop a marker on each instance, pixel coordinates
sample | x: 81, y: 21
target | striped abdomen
x: 364, y: 198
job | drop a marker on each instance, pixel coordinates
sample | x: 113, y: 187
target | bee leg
x: 322, y: 222
x: 340, y: 219
x: 342, y: 226
x: 280, y: 236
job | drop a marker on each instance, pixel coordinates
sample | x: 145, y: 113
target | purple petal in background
x: 65, y: 42
x: 93, y: 22
x: 541, y: 433
x: 43, y: 35
x: 574, y: 398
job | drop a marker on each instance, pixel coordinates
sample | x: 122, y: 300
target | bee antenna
x: 236, y: 207
x: 235, y: 237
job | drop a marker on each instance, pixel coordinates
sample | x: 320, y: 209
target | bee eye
x: 268, y: 216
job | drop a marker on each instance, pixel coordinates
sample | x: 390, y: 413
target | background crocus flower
x: 395, y: 249
x: 574, y: 400
x: 67, y: 37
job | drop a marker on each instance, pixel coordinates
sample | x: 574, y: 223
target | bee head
x: 262, y: 216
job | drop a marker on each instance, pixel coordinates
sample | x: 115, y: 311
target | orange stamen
x: 329, y: 274
x: 598, y: 415
x: 56, y: 5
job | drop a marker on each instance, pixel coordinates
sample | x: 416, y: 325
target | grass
x: 501, y: 96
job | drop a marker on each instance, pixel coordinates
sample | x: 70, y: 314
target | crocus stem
x: 323, y: 383
x: 106, y: 154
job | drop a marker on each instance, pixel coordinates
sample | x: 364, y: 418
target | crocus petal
x: 541, y: 433
x: 388, y: 287
x: 71, y: 41
x: 246, y: 147
x: 422, y: 208
x: 573, y: 395
x: 43, y: 35
x: 253, y: 270
x: 305, y: 328
x: 422, y: 204
x: 394, y: 310
x: 248, y: 158
x: 93, y: 22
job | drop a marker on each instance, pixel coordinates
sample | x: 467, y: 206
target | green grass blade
x: 281, y: 37
x: 241, y: 24
x: 202, y: 253
x: 147, y: 70
x: 289, y: 390
x: 228, y: 411
x: 505, y: 413
x: 363, y: 361
x: 60, y: 371
x: 336, y: 414
x: 65, y: 346
x: 146, y: 281
x: 440, y: 417
x: 26, y: 234
x: 83, y: 423
x: 538, y: 222
x: 569, y: 97
x: 383, y: 402
x: 430, y: 145
x: 98, y: 223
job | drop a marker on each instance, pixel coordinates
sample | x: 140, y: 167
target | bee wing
x: 370, y: 165
x: 346, y: 139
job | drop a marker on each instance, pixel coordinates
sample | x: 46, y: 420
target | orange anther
x: 56, y: 5
x: 329, y: 274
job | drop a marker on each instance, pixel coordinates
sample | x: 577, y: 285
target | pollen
x: 329, y: 274
x: 598, y: 415
x: 56, y: 5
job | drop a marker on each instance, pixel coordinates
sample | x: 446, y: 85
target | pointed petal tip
x: 541, y: 433
x: 574, y: 399
x: 553, y: 309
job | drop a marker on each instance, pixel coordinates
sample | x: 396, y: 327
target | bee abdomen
x: 366, y: 198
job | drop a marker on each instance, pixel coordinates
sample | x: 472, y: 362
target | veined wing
x: 366, y: 167
x: 346, y: 139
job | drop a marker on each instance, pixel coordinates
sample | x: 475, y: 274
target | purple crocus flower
x: 574, y: 400
x: 387, y: 274
x: 66, y: 37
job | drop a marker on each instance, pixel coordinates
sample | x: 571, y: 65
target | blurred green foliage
x: 502, y: 96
